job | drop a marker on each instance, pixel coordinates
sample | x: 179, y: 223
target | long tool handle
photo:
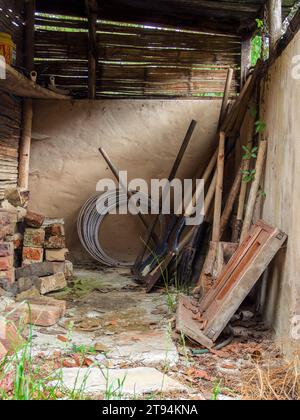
x: 172, y: 175
x: 115, y: 172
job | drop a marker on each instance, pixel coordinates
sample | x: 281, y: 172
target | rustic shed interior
x: 135, y: 58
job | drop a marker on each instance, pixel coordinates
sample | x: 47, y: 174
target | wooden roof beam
x: 92, y: 12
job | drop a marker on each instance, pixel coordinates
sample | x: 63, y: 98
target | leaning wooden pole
x: 230, y: 202
x: 25, y: 143
x: 219, y: 190
x: 261, y: 157
x: 226, y: 96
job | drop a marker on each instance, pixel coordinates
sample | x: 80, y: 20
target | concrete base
x: 111, y: 309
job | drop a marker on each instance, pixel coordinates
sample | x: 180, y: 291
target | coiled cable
x: 90, y: 219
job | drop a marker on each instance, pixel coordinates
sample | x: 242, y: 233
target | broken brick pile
x: 8, y: 222
x: 32, y: 264
x: 44, y: 239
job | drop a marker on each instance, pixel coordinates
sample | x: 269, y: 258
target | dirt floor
x: 118, y: 342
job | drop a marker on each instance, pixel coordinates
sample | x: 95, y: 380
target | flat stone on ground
x: 136, y: 381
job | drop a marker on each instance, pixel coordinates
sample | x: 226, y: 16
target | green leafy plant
x: 260, y: 126
x: 263, y: 194
x: 253, y: 111
x: 26, y: 381
x: 113, y: 390
x: 257, y: 43
x: 250, y: 153
x: 260, y: 24
x: 216, y: 391
x: 83, y: 349
x: 249, y: 175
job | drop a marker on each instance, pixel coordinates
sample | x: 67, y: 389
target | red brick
x: 65, y: 267
x: 55, y: 242
x: 56, y: 255
x: 8, y: 217
x: 6, y: 249
x: 8, y: 220
x: 55, y: 230
x: 32, y: 255
x: 6, y: 263
x: 7, y: 278
x: 34, y: 219
x: 5, y: 231
x: 51, y: 283
x: 10, y: 338
x: 16, y: 196
x: 41, y: 315
x: 49, y: 301
x: 34, y: 238
x: 3, y: 351
x: 17, y: 240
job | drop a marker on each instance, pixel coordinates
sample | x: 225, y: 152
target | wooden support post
x: 92, y: 12
x: 29, y: 34
x: 245, y: 59
x: 275, y: 22
x: 25, y: 143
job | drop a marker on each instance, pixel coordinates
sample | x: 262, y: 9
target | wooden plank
x: 233, y: 285
x: 19, y: 85
x: 186, y: 325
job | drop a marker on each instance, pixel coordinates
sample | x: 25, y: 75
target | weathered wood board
x: 208, y: 318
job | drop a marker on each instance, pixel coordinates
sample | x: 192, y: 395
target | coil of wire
x: 90, y: 219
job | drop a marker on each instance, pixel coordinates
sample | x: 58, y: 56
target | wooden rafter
x: 92, y: 12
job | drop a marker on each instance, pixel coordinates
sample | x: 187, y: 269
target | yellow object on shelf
x: 7, y: 48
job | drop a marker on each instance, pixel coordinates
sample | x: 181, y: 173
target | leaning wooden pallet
x: 204, y: 321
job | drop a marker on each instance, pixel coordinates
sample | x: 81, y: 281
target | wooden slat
x: 17, y: 84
